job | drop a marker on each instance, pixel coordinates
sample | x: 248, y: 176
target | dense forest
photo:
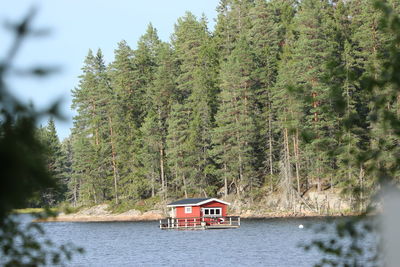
x: 260, y: 104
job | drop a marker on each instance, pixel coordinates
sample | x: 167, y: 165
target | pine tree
x: 233, y: 21
x: 234, y: 135
x: 270, y: 22
x: 288, y: 107
x: 145, y: 65
x: 162, y: 92
x: 57, y: 161
x: 314, y: 49
x: 72, y: 184
x: 91, y: 99
x: 124, y: 117
x: 177, y: 150
x: 187, y: 40
x: 84, y: 180
x: 368, y: 48
x: 346, y: 94
x: 56, y: 164
x: 196, y: 82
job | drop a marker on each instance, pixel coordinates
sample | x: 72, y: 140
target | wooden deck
x: 201, y: 223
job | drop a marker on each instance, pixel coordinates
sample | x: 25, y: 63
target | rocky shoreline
x: 328, y: 203
x: 100, y: 213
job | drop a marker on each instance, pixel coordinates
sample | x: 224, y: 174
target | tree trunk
x: 163, y: 182
x: 225, y: 181
x: 361, y: 181
x: 319, y: 173
x: 204, y: 150
x: 153, y: 193
x: 240, y: 173
x: 239, y: 183
x: 75, y: 191
x: 271, y: 170
x: 184, y: 185
x: 315, y: 104
x: 114, y: 163
x: 163, y: 178
x: 94, y: 194
x: 296, y: 154
x: 96, y: 129
x: 176, y: 172
x: 225, y: 177
x: 287, y: 170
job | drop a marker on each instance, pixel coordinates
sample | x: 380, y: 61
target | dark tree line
x: 262, y: 102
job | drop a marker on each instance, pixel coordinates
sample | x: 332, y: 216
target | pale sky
x: 78, y: 25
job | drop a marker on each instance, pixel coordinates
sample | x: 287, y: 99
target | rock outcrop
x: 101, y: 213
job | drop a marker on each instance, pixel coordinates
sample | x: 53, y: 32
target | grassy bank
x: 33, y: 210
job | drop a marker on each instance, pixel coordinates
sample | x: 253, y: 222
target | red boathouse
x: 205, y: 213
x: 198, y: 207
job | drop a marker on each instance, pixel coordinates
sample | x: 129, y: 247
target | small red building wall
x: 180, y: 212
x: 196, y: 210
x: 215, y: 204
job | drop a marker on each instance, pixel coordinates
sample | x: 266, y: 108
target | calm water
x: 272, y: 242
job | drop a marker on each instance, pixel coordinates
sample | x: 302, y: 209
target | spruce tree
x: 233, y: 21
x: 145, y: 65
x: 234, y: 135
x: 349, y: 105
x: 177, y: 149
x: 270, y: 22
x: 56, y: 164
x: 91, y: 99
x: 124, y: 111
x: 196, y: 83
x: 288, y: 106
x: 187, y: 40
x: 368, y: 50
x: 161, y: 93
x: 314, y: 49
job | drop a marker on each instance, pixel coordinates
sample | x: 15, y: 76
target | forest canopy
x: 274, y: 99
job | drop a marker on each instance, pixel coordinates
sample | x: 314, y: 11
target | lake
x: 266, y: 242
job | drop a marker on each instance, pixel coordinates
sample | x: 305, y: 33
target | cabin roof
x: 194, y: 202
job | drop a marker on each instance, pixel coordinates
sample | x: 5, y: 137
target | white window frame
x: 212, y: 215
x: 188, y: 210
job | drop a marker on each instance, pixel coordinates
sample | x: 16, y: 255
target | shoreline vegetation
x: 316, y: 204
x: 154, y: 215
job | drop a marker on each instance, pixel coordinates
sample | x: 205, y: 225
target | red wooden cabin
x: 198, y: 207
x: 199, y: 213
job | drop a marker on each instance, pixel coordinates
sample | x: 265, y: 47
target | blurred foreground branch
x: 363, y: 240
x: 23, y: 171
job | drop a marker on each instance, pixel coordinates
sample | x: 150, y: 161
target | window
x: 212, y: 212
x: 188, y: 209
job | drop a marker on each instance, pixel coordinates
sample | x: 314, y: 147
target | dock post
x: 230, y: 220
x: 160, y: 224
x: 168, y: 223
x: 239, y: 221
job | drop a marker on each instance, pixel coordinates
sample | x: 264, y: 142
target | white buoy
x: 301, y: 226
